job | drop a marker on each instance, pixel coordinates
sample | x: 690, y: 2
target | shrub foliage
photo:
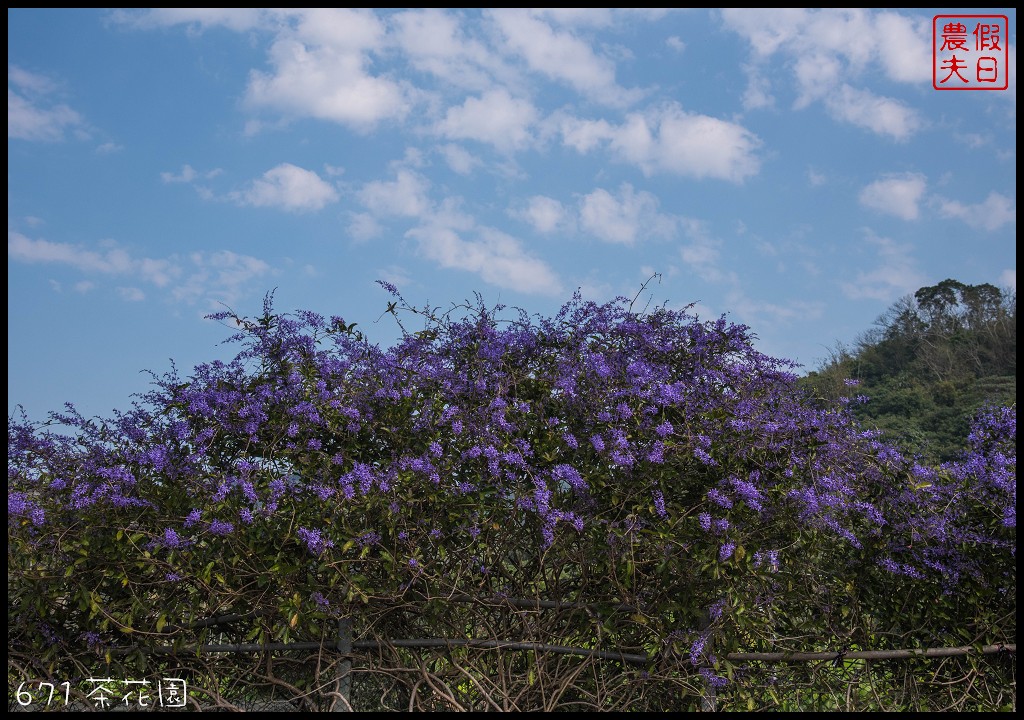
x: 638, y: 494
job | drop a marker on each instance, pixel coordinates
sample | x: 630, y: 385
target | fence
x: 367, y: 669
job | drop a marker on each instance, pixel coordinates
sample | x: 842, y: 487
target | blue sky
x: 793, y: 169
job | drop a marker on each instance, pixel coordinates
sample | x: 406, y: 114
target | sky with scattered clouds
x: 793, y: 169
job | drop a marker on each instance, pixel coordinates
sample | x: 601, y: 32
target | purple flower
x: 570, y: 475
x: 171, y: 538
x: 659, y: 503
x: 715, y: 611
x: 771, y: 558
x: 220, y: 527
x: 387, y: 286
x: 315, y: 542
x: 702, y: 455
x: 697, y: 649
x: 193, y: 518
x: 725, y: 552
x: 656, y: 454
x: 715, y: 681
x: 750, y: 494
x: 719, y: 499
x: 368, y: 538
x: 624, y: 459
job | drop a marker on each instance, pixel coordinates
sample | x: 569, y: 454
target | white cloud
x: 562, y: 56
x: 320, y: 71
x: 459, y: 159
x: 30, y: 82
x: 160, y: 272
x: 1008, y: 278
x: 895, y: 275
x: 761, y: 313
x: 896, y: 194
x: 112, y: 260
x: 498, y: 258
x: 290, y: 188
x: 861, y: 40
x: 406, y: 195
x: 581, y: 135
x: 996, y: 211
x: 364, y: 226
x: 904, y: 46
x: 881, y: 115
x: 671, y: 140
x: 675, y: 43
x: 109, y: 147
x: 218, y: 277
x: 758, y: 91
x: 624, y: 219
x: 593, y: 17
x: 109, y: 259
x: 31, y: 115
x: 203, y: 276
x: 824, y: 51
x: 701, y: 253
x: 131, y: 294
x: 187, y: 175
x: 435, y: 43
x: 815, y: 178
x: 495, y: 118
x: 817, y: 74
x: 545, y: 214
x: 766, y: 30
x: 972, y: 140
x: 238, y: 19
x: 396, y: 275
x: 674, y: 141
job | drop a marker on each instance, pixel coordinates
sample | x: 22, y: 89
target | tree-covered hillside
x: 929, y: 363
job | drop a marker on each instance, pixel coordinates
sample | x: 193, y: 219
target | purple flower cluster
x: 316, y: 543
x: 663, y: 441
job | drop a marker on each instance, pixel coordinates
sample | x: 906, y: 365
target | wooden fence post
x: 344, y: 674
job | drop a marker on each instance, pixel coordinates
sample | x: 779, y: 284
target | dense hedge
x: 671, y: 488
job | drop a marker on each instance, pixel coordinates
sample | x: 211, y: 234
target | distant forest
x: 930, y: 362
